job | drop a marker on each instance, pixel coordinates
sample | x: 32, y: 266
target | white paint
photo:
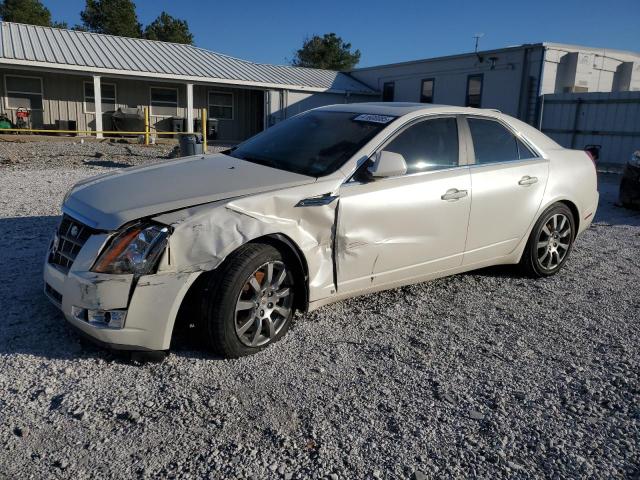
x: 189, y: 108
x: 387, y: 233
x: 97, y: 94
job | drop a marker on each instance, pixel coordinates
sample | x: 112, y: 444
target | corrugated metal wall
x: 63, y: 99
x: 611, y: 120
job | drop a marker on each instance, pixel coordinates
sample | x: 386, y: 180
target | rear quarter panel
x: 572, y: 177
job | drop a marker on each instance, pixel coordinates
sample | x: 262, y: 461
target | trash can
x: 212, y: 128
x: 190, y: 144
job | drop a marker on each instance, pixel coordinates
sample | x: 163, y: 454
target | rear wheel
x: 248, y: 303
x: 550, y: 242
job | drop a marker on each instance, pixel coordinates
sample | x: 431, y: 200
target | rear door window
x: 428, y: 145
x: 493, y: 143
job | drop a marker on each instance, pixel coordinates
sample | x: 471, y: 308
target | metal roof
x: 107, y: 54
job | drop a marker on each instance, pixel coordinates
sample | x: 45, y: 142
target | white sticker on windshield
x: 368, y: 117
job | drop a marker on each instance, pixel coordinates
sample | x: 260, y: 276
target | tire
x: 244, y: 307
x: 550, y: 242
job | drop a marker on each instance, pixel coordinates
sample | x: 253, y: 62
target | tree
x: 329, y: 52
x: 114, y: 17
x: 169, y: 29
x: 32, y: 12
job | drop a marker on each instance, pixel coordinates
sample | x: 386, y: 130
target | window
x: 388, y: 91
x: 474, y: 91
x: 428, y: 145
x: 426, y: 91
x: 492, y: 142
x: 314, y: 143
x: 23, y: 92
x: 164, y: 101
x: 108, y: 94
x: 524, y: 151
x: 221, y: 105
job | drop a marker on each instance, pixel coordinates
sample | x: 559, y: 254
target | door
x: 395, y: 229
x: 508, y: 180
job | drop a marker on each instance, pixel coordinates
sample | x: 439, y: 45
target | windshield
x: 315, y: 143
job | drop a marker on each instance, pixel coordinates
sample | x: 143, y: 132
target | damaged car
x: 335, y: 202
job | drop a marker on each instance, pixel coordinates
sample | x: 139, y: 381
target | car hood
x: 108, y: 201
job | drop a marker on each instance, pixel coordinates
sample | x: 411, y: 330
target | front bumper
x: 152, y: 303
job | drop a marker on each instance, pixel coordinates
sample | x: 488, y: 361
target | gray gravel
x: 485, y: 374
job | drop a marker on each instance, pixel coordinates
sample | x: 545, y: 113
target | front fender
x: 205, y: 235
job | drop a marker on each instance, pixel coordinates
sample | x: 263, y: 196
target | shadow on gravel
x: 29, y: 323
x: 107, y: 164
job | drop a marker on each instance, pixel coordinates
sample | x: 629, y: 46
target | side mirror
x: 388, y: 164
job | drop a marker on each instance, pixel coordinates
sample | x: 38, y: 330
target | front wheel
x: 550, y: 242
x: 248, y: 303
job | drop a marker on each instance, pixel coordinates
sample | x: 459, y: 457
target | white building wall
x: 571, y: 68
x: 512, y: 82
x: 505, y: 73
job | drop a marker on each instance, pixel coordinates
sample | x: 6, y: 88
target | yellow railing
x: 146, y: 133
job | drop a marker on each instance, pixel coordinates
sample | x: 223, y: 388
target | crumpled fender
x: 205, y: 235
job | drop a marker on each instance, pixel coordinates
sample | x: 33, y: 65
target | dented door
x: 399, y: 228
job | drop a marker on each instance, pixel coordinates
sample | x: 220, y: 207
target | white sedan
x: 332, y: 203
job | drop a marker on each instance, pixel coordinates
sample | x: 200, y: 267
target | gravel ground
x: 485, y: 374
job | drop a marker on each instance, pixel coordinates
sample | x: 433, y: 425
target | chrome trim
x: 509, y: 162
x: 80, y: 218
x: 410, y: 175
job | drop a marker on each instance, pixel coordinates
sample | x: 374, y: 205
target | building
x: 77, y: 79
x: 510, y: 79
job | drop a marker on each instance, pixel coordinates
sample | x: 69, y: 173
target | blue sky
x: 389, y: 31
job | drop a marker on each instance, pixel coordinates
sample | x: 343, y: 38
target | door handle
x: 527, y: 180
x: 454, y: 194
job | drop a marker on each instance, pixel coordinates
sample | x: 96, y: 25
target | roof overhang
x: 163, y: 77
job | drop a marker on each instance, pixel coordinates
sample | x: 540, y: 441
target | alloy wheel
x: 264, y: 304
x: 554, y: 241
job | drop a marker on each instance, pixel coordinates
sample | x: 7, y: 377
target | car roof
x: 400, y: 108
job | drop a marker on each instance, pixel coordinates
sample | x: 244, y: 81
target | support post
x: 189, y: 108
x: 146, y: 125
x: 204, y: 130
x: 97, y: 98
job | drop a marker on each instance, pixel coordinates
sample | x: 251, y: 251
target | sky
x: 389, y: 31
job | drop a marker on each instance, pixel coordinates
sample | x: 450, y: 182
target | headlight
x: 134, y: 250
x: 635, y: 159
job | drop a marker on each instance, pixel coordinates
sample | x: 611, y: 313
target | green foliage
x: 329, y: 52
x: 114, y: 17
x: 32, y: 12
x: 169, y: 29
